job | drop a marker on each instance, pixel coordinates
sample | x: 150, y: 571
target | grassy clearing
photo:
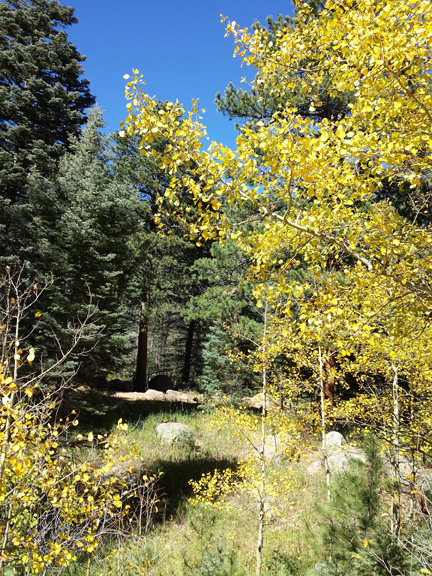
x: 189, y: 539
x: 196, y: 540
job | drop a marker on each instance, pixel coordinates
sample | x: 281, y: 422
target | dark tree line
x: 78, y: 207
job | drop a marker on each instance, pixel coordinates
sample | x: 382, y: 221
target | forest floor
x: 188, y: 538
x: 189, y: 397
x: 192, y: 538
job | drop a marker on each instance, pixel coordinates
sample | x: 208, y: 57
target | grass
x: 187, y: 539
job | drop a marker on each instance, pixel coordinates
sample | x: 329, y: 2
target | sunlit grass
x: 194, y: 540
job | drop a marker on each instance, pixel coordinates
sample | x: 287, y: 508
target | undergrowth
x: 190, y: 539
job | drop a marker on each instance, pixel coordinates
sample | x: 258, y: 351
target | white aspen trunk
x: 262, y: 494
x: 395, y: 501
x: 323, y: 423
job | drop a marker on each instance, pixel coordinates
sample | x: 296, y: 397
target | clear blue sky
x: 179, y: 46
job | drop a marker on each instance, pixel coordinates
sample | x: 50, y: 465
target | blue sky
x: 179, y: 47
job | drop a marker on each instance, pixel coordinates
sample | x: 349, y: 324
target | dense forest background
x: 77, y: 208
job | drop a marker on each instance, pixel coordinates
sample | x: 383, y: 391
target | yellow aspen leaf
x: 340, y: 132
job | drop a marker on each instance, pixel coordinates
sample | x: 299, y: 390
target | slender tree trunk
x: 140, y: 379
x: 395, y: 501
x: 262, y: 496
x: 188, y: 353
x: 323, y: 422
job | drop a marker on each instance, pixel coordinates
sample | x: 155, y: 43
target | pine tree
x: 260, y: 104
x: 354, y: 534
x: 168, y: 340
x: 226, y: 306
x: 42, y: 98
x: 82, y: 226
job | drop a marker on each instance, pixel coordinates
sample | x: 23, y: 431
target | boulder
x: 129, y: 472
x: 334, y: 440
x: 272, y: 446
x: 256, y: 402
x: 174, y: 432
x: 339, y: 459
x: 339, y: 453
x: 161, y: 383
x: 407, y: 472
x: 153, y: 395
x: 315, y: 467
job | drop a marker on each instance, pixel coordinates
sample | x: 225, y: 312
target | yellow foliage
x: 53, y: 503
x: 313, y: 188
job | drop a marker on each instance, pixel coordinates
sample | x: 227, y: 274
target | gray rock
x: 256, y: 402
x: 129, y: 472
x: 174, y: 432
x: 407, y: 472
x: 405, y: 469
x: 339, y: 460
x: 272, y: 446
x: 154, y: 394
x: 334, y: 440
x: 315, y: 467
x: 340, y: 454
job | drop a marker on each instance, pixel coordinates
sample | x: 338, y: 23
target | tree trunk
x: 323, y: 419
x: 140, y: 379
x: 188, y: 354
x: 262, y: 494
x: 395, y: 457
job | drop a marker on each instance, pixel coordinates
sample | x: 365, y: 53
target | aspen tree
x: 314, y: 189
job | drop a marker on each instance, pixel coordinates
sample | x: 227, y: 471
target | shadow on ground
x: 174, y: 486
x: 102, y: 410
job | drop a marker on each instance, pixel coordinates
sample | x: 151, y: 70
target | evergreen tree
x: 42, y: 98
x: 83, y: 227
x: 226, y: 306
x: 355, y: 537
x: 168, y: 340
